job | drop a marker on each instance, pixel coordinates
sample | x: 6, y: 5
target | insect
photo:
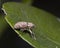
x: 25, y: 26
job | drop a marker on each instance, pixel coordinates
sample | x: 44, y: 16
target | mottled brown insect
x: 25, y: 26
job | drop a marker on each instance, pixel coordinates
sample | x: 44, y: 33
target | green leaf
x: 47, y: 29
x: 3, y: 25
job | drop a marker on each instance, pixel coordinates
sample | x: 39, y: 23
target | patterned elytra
x: 25, y: 26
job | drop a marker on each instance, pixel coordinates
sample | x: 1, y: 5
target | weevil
x: 25, y: 26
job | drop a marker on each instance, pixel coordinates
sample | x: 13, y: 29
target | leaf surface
x: 47, y: 29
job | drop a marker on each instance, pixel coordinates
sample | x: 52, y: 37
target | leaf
x: 47, y: 29
x: 3, y: 25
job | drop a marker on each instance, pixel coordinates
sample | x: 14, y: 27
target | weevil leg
x: 32, y: 34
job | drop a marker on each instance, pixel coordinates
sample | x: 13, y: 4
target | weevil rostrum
x: 25, y: 26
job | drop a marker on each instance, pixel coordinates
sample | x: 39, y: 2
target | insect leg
x: 32, y: 34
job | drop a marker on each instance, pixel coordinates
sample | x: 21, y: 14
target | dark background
x: 10, y: 39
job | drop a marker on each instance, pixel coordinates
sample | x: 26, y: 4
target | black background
x: 10, y: 39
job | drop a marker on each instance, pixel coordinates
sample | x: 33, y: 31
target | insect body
x: 25, y: 26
